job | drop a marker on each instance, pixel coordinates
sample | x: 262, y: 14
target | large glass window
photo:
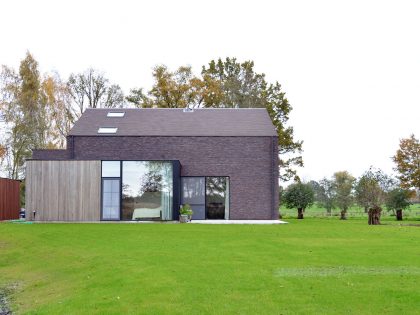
x: 194, y: 193
x: 111, y: 168
x: 207, y: 196
x: 111, y: 192
x: 111, y: 199
x: 147, y: 190
x: 217, y: 197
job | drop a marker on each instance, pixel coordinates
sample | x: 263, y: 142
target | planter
x: 183, y: 218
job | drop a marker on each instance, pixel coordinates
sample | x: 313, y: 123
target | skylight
x: 115, y: 114
x: 107, y: 130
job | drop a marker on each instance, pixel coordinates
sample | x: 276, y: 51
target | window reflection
x: 193, y: 193
x: 111, y: 169
x: 147, y: 190
x: 217, y: 197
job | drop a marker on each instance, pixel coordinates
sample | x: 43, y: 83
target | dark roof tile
x: 176, y: 122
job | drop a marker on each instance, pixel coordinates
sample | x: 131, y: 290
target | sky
x: 350, y: 69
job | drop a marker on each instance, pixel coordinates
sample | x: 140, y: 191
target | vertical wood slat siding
x: 63, y: 190
x: 9, y: 199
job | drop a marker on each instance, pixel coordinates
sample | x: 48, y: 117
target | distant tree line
x: 38, y: 109
x: 371, y: 191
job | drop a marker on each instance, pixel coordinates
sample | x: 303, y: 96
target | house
x: 9, y: 199
x: 142, y: 164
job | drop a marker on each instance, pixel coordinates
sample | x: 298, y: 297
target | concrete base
x: 238, y: 222
x: 168, y: 222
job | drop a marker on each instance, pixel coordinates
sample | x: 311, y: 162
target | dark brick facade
x: 50, y: 154
x: 250, y: 162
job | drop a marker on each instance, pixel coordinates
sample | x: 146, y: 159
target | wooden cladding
x: 63, y: 190
x: 9, y: 199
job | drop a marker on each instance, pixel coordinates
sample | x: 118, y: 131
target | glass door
x: 207, y: 196
x: 111, y: 199
x: 217, y: 198
x: 193, y: 192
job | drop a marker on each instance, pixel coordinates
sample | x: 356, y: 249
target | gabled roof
x: 176, y: 122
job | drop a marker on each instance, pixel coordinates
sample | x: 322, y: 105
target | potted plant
x: 185, y: 213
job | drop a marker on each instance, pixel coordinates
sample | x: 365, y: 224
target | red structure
x: 9, y: 199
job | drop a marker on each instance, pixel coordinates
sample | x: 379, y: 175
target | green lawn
x: 312, y: 266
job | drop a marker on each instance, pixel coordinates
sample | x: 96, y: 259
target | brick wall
x: 50, y: 154
x: 250, y: 162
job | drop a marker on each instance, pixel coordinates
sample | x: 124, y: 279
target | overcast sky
x: 350, y: 69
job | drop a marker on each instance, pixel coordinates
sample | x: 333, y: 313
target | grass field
x: 312, y: 266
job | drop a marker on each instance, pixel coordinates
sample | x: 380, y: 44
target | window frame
x: 107, y: 130
x: 115, y: 114
x: 205, y: 193
x: 103, y: 179
x: 102, y: 169
x: 102, y: 190
x: 172, y: 208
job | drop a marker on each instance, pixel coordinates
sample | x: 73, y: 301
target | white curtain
x: 227, y: 199
x: 166, y: 201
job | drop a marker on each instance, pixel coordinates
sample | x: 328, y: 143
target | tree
x: 243, y: 88
x: 281, y: 194
x: 368, y: 192
x: 327, y: 194
x: 2, y: 152
x: 151, y: 182
x: 343, y: 183
x: 25, y: 114
x: 226, y: 84
x: 300, y: 196
x: 38, y: 111
x: 92, y: 89
x: 61, y: 112
x: 178, y: 89
x: 372, y: 187
x: 316, y: 188
x: 324, y: 193
x: 371, y: 190
x: 397, y: 200
x: 174, y: 89
x: 407, y: 160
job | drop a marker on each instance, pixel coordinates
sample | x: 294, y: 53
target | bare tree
x: 61, y: 110
x: 92, y: 89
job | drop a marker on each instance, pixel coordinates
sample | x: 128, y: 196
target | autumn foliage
x: 407, y: 160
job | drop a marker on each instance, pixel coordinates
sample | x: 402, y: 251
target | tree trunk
x: 374, y: 215
x: 343, y: 215
x: 366, y: 209
x: 300, y: 213
x: 399, y: 215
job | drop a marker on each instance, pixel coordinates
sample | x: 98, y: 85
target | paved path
x: 238, y: 222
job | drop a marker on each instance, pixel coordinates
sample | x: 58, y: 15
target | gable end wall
x: 250, y: 162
